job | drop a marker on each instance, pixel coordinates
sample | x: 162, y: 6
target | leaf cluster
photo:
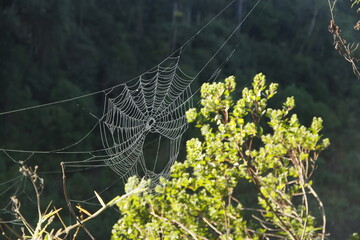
x: 355, y: 2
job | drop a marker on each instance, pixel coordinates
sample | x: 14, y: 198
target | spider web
x: 156, y: 104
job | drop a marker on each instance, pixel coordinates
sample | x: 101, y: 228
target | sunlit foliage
x: 242, y: 141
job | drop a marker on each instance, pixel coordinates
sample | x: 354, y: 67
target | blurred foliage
x: 51, y: 50
x: 355, y: 2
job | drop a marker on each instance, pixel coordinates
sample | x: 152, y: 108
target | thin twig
x: 212, y: 226
x: 283, y: 226
x: 101, y: 210
x: 340, y: 44
x: 322, y: 210
x: 66, y: 195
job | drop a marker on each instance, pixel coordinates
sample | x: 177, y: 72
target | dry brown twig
x: 345, y: 49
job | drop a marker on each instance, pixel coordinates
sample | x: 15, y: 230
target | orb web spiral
x: 155, y: 104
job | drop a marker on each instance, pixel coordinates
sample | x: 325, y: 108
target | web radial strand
x: 155, y: 104
x: 173, y: 154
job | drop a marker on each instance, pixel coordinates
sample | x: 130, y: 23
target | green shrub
x: 243, y: 141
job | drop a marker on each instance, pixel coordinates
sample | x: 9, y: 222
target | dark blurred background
x: 52, y: 50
